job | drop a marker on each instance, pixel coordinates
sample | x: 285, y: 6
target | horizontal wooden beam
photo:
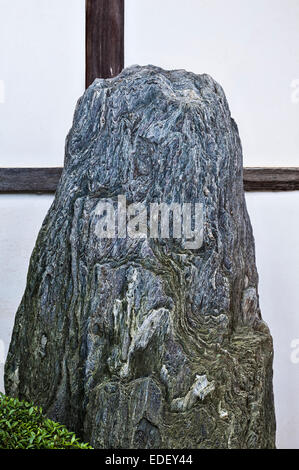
x: 45, y: 180
x: 271, y: 179
x: 29, y: 180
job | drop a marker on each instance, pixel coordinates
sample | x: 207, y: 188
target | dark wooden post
x: 104, y: 39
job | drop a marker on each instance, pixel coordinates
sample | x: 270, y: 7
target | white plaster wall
x: 274, y: 217
x: 42, y: 63
x: 21, y: 217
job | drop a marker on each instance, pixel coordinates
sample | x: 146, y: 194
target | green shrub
x: 23, y: 426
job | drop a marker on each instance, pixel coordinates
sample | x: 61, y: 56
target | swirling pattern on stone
x: 142, y: 342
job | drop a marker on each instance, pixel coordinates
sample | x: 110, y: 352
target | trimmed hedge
x: 23, y: 426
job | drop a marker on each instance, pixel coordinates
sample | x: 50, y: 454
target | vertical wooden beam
x: 104, y: 39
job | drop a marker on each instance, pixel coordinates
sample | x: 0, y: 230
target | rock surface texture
x: 143, y: 343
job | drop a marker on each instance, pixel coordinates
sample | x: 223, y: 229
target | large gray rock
x: 148, y: 342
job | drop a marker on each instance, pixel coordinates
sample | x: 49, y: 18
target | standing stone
x: 148, y: 342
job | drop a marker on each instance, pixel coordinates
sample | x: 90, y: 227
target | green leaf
x: 23, y: 426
